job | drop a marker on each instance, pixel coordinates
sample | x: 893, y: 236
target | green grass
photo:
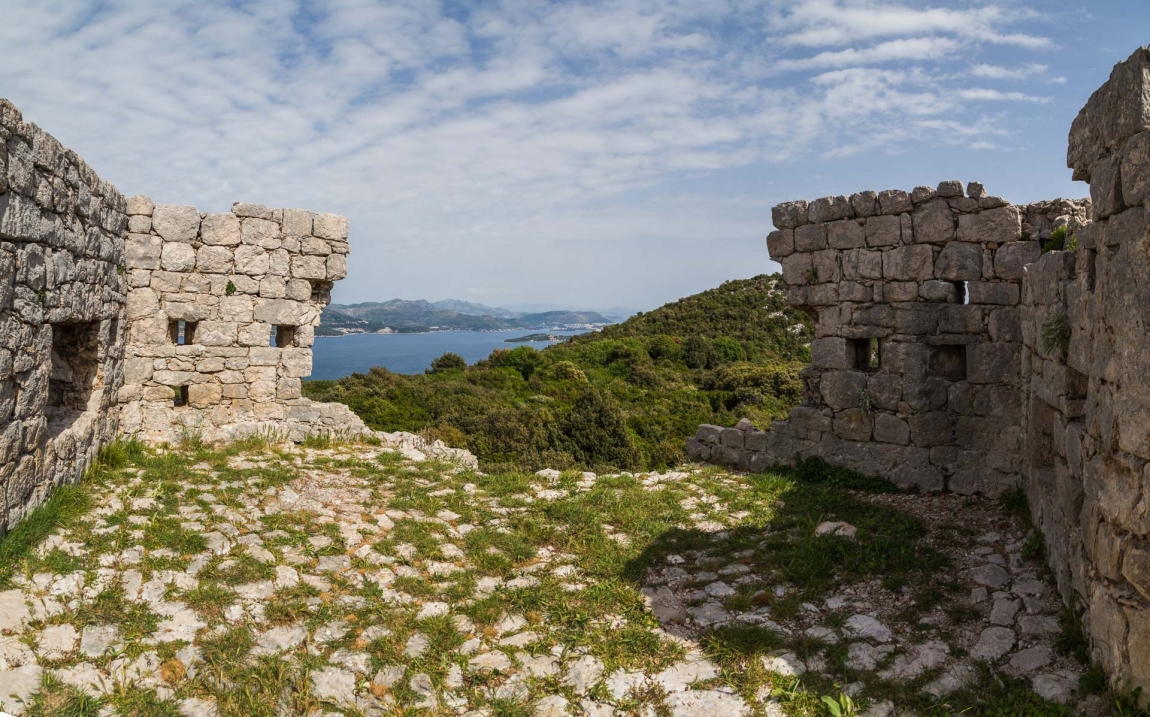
x: 65, y: 505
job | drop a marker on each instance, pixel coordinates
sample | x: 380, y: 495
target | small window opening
x: 179, y: 396
x: 283, y: 336
x: 948, y: 361
x: 867, y: 354
x: 182, y: 333
x: 961, y: 296
x: 75, y: 372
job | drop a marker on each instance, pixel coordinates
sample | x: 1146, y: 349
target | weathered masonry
x: 951, y: 353
x: 121, y: 317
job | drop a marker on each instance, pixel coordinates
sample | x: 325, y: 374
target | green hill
x: 625, y: 397
x: 414, y: 316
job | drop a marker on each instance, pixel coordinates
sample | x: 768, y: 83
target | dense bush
x: 626, y: 398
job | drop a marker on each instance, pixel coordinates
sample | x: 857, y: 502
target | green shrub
x: 1056, y: 335
x: 447, y: 362
x: 1057, y: 240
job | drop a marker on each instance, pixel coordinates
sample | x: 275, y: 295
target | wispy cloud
x: 502, y: 139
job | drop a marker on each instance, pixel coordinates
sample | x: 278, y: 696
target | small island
x: 534, y: 337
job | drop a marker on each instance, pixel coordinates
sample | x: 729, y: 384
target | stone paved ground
x: 357, y: 581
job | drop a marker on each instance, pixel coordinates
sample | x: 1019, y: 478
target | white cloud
x: 997, y: 72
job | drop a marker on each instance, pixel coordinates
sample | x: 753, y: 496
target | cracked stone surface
x: 374, y: 582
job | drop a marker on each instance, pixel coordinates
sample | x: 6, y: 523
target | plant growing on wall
x: 1057, y: 240
x: 866, y: 401
x: 1056, y: 334
x: 812, y: 276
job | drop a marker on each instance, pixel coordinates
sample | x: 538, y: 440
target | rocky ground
x: 353, y: 580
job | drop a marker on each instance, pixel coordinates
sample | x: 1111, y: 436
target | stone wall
x: 915, y: 364
x: 221, y: 311
x: 62, y: 324
x: 1088, y: 399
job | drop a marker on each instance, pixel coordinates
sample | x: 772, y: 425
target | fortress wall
x: 915, y: 363
x: 221, y: 311
x: 62, y: 323
x: 1088, y: 403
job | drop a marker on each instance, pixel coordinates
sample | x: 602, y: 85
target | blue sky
x: 576, y: 153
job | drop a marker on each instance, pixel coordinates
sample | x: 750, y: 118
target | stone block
x: 997, y: 226
x: 883, y: 230
x: 730, y: 437
x: 842, y: 389
x: 178, y: 257
x: 909, y: 263
x: 204, y: 395
x: 994, y: 363
x: 938, y: 291
x: 789, y: 215
x: 894, y: 201
x: 1127, y: 227
x: 308, y: 267
x: 1105, y: 188
x: 143, y: 251
x: 214, y: 260
x: 1011, y: 257
x: 949, y: 188
x: 832, y: 353
x: 330, y: 226
x: 861, y: 264
x: 823, y: 295
x: 899, y: 291
x: 221, y: 229
x: 1134, y: 169
x: 885, y: 390
x: 796, y: 269
x: 216, y: 333
x: 781, y: 243
x: 908, y: 359
x: 845, y: 234
x: 933, y: 222
x: 709, y: 434
x: 251, y: 260
x: 260, y: 232
x: 1006, y: 325
x: 854, y: 291
x: 297, y: 222
x: 930, y: 429
x: 811, y: 237
x: 959, y: 262
x: 853, y: 424
x: 176, y: 223
x: 809, y: 420
x: 829, y: 209
x: 889, y: 428
x: 336, y: 267
x: 864, y: 204
x: 273, y: 287
x: 916, y: 320
x: 140, y: 205
x: 986, y: 292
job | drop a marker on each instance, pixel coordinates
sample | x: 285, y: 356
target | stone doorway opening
x: 75, y: 372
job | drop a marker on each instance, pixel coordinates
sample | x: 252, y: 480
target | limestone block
x: 1127, y: 227
x: 1138, y: 647
x: 298, y: 289
x: 780, y: 243
x: 921, y: 194
x: 273, y: 287
x: 930, y: 429
x: 262, y: 391
x: 959, y: 262
x: 949, y: 188
x: 796, y: 269
x: 315, y: 246
x: 237, y: 308
x: 279, y: 263
x: 933, y: 222
x: 845, y: 234
x: 178, y: 257
x: 891, y: 429
x: 212, y: 364
x: 142, y: 303
x: 204, y: 395
x: 826, y: 265
x: 854, y: 291
x: 257, y: 211
x: 140, y: 224
x: 221, y: 229
x: 216, y: 333
x: 140, y: 205
x: 308, y: 267
x: 832, y: 353
x: 999, y: 226
x: 878, y: 315
x: 883, y: 230
x: 330, y: 226
x: 789, y: 215
x: 915, y: 319
x: 993, y: 363
x: 288, y: 388
x: 823, y: 294
x: 928, y: 394
x: 861, y: 264
x: 938, y: 291
x: 251, y: 260
x: 254, y: 334
x: 896, y: 291
x: 829, y: 209
x: 214, y: 260
x: 894, y: 201
x: 142, y: 251
x: 186, y: 311
x: 1108, y: 627
x: 864, y: 204
x: 853, y: 424
x: 282, y: 312
x: 1134, y: 169
x: 841, y: 389
x: 297, y: 222
x: 260, y: 232
x: 985, y: 292
x: 305, y: 336
x: 1105, y: 189
x: 265, y: 356
x: 908, y: 359
x: 811, y: 237
x: 148, y: 331
x: 960, y: 319
x: 1011, y: 257
x: 176, y: 223
x: 337, y: 267
x: 914, y: 262
x: 1006, y: 324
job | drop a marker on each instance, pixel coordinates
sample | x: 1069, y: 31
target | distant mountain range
x: 401, y: 316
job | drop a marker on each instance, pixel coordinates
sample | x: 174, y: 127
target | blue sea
x: 336, y: 357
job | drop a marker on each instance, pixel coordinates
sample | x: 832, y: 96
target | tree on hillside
x: 447, y: 362
x: 595, y: 431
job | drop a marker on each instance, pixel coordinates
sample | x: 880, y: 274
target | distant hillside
x: 414, y: 316
x: 628, y: 396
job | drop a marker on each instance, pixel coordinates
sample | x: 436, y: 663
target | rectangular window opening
x: 948, y: 361
x: 75, y: 370
x: 182, y: 333
x: 961, y: 295
x: 284, y: 336
x: 179, y: 396
x: 867, y: 354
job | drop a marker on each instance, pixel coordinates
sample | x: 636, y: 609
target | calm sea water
x: 409, y: 353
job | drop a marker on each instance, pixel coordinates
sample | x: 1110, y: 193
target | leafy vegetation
x: 1056, y: 335
x: 626, y: 397
x: 1058, y: 241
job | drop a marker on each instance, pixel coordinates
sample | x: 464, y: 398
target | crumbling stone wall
x: 1088, y: 397
x: 222, y: 310
x: 914, y: 371
x: 62, y: 322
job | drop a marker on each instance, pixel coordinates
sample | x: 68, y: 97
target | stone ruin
x: 121, y: 317
x: 950, y: 352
